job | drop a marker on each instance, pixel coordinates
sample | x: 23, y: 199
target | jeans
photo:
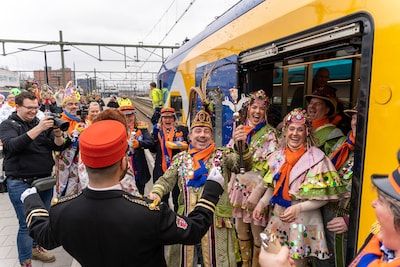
x: 24, y: 242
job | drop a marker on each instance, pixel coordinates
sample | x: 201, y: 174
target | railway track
x: 144, y: 107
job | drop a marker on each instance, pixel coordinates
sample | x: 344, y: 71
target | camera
x: 58, y: 123
x: 83, y: 113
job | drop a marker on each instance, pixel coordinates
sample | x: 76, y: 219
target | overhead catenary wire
x: 159, y: 20
x: 169, y: 31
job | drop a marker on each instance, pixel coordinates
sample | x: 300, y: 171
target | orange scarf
x: 340, y: 155
x: 201, y: 155
x: 320, y: 122
x: 165, y: 151
x: 281, y: 194
x: 11, y: 104
x: 371, y: 256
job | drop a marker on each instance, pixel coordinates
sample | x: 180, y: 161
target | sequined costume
x: 218, y: 244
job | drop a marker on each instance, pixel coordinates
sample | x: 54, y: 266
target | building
x: 8, y: 78
x: 54, y: 76
x: 88, y: 85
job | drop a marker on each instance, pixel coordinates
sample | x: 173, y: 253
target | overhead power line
x: 169, y: 31
x: 159, y: 20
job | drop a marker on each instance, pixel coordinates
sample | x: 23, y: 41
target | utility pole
x: 62, y: 59
x: 46, y: 74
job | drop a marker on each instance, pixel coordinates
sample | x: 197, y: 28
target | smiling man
x: 28, y: 144
x: 190, y: 169
x: 321, y: 108
x: 166, y: 134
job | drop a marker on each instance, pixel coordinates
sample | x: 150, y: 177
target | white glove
x: 216, y: 176
x: 27, y: 192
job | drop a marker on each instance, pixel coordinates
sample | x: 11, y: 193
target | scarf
x: 320, y: 122
x: 166, y: 153
x: 281, y: 194
x: 251, y: 131
x: 73, y: 120
x: 11, y: 104
x: 199, y: 158
x: 340, y: 155
x: 374, y: 254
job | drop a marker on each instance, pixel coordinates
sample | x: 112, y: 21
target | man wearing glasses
x: 27, y: 145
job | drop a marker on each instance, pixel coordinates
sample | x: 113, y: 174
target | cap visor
x: 383, y: 184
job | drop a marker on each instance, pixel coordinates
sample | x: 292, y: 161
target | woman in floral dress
x: 244, y: 192
x: 300, y: 180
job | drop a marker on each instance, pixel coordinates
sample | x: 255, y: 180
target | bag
x: 43, y: 184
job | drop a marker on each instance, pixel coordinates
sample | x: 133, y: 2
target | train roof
x: 228, y: 16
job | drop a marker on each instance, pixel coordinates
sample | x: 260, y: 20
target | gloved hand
x: 215, y: 175
x: 27, y: 192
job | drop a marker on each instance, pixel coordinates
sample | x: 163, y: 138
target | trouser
x: 24, y: 242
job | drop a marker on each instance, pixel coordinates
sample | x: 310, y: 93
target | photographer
x: 28, y: 144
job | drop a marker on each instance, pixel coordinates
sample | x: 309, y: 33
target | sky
x: 116, y: 21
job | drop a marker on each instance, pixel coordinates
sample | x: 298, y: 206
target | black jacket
x: 114, y: 228
x: 158, y: 171
x: 24, y: 157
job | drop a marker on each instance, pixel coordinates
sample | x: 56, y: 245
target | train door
x: 223, y: 77
x: 334, y: 55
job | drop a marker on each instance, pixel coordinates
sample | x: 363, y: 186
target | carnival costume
x: 262, y: 141
x: 68, y: 164
x: 168, y: 143
x: 307, y: 178
x: 325, y: 132
x: 139, y: 139
x: 190, y: 170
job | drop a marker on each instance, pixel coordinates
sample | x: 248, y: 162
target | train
x: 278, y: 46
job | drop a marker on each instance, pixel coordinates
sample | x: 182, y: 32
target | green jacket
x: 181, y: 169
x: 327, y: 136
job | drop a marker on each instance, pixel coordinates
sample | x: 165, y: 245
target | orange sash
x: 340, y: 155
x: 163, y: 138
x: 203, y: 155
x: 291, y: 157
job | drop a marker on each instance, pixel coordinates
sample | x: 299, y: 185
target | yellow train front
x: 278, y: 46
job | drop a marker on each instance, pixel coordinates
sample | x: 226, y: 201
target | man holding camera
x: 27, y: 145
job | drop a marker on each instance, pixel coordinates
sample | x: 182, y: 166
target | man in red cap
x: 105, y: 226
x: 169, y: 139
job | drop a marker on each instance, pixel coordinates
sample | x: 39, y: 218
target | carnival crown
x: 297, y: 115
x: 259, y: 96
x: 202, y: 119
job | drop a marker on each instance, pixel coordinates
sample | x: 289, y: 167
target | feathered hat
x: 70, y: 94
x: 203, y: 117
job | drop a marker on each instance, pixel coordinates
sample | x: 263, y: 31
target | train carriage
x: 279, y: 46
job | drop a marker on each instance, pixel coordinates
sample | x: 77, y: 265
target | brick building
x: 55, y: 76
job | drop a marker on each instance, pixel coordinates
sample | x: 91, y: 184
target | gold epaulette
x: 142, y: 125
x: 375, y: 228
x: 140, y: 201
x: 56, y: 200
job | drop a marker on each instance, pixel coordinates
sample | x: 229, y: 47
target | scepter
x: 236, y: 106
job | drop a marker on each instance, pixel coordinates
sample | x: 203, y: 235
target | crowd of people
x: 291, y: 185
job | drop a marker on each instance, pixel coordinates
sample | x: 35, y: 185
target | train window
x: 176, y: 103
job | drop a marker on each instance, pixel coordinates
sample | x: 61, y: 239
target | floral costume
x: 313, y: 177
x: 262, y: 143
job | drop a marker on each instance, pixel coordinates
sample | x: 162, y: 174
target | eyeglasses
x: 31, y: 108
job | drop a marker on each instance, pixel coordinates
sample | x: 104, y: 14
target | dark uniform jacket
x: 114, y: 228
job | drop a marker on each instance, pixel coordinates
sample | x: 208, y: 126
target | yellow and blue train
x: 278, y: 46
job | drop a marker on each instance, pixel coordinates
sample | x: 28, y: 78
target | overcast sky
x: 111, y: 21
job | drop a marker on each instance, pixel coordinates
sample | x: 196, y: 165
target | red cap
x: 103, y: 143
x: 167, y: 110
